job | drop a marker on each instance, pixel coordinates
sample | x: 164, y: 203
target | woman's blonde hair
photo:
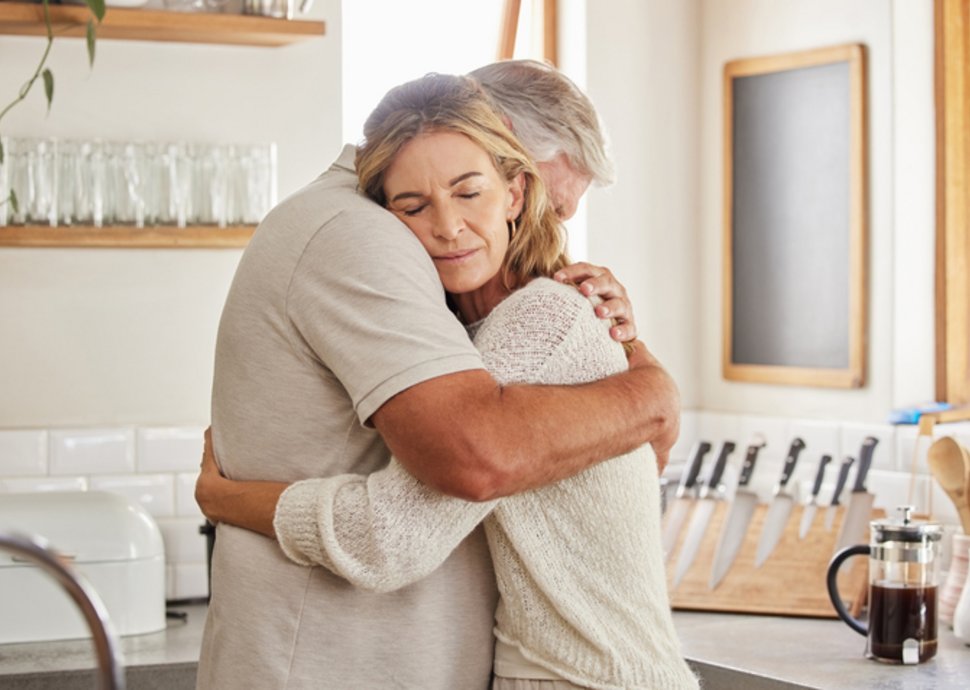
x: 450, y: 103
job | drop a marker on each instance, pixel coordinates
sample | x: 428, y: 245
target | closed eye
x: 414, y: 210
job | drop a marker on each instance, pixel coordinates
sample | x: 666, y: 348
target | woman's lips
x: 456, y: 257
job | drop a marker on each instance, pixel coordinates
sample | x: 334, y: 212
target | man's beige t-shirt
x: 334, y: 309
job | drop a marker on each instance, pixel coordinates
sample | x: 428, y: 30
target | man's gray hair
x: 549, y: 114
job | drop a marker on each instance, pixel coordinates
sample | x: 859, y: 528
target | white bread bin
x: 114, y: 543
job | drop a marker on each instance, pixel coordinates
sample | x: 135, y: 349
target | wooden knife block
x: 790, y: 582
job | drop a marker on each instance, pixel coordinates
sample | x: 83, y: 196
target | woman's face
x: 447, y: 191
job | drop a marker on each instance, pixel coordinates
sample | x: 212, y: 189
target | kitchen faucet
x: 36, y: 550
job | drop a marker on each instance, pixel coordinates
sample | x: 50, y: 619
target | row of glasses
x: 140, y: 184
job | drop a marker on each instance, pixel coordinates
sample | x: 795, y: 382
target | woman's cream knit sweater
x: 578, y: 563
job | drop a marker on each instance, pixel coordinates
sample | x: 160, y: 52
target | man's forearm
x: 570, y: 428
x: 467, y: 436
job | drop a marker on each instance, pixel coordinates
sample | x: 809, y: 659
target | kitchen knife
x: 859, y: 512
x: 780, y: 509
x: 839, y: 485
x: 738, y: 518
x: 677, y: 513
x: 808, y: 514
x: 710, y: 495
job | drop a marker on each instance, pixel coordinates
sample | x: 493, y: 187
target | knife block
x: 792, y: 580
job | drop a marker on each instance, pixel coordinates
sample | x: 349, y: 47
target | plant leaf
x: 13, y: 202
x: 97, y: 8
x: 91, y: 39
x: 1, y: 151
x: 49, y: 87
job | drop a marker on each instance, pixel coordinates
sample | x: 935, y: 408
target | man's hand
x: 670, y: 398
x: 600, y: 281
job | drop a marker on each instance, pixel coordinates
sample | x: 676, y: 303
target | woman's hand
x: 600, y: 281
x: 247, y: 504
x: 210, y: 484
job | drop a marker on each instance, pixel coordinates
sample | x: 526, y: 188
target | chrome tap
x: 36, y: 550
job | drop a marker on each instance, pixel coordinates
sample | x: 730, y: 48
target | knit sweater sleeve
x: 386, y: 530
x: 380, y: 532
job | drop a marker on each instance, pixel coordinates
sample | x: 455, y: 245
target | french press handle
x: 831, y: 581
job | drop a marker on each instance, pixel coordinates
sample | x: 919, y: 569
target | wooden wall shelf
x: 203, y: 237
x: 27, y: 19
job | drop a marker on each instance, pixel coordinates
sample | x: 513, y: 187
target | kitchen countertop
x: 728, y: 650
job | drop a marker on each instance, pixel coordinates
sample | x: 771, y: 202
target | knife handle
x: 749, y: 459
x: 694, y: 468
x: 714, y: 480
x: 865, y: 461
x: 826, y: 459
x: 786, y: 472
x: 843, y: 475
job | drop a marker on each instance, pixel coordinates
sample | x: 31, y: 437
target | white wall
x: 115, y: 336
x: 645, y: 226
x: 660, y: 228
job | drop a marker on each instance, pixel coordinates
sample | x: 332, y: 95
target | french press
x: 904, y: 563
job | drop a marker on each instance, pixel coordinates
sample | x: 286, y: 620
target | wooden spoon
x: 949, y: 466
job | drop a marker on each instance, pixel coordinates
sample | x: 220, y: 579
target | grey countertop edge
x: 728, y: 651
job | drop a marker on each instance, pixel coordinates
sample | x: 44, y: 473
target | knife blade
x: 808, y: 514
x: 738, y: 518
x: 859, y: 512
x: 780, y: 509
x: 839, y: 485
x: 677, y: 513
x: 710, y: 495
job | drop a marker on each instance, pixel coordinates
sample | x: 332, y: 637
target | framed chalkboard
x: 795, y: 218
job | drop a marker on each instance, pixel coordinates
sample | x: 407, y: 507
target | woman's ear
x: 516, y: 196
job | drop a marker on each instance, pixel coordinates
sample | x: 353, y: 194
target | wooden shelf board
x: 126, y: 237
x: 27, y: 19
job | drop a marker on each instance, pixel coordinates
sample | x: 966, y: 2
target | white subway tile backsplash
x: 32, y: 484
x: 169, y: 449
x: 183, y: 542
x: 169, y: 582
x: 687, y: 437
x: 23, y: 452
x: 191, y: 580
x: 884, y: 454
x: 185, y: 505
x: 895, y: 489
x: 911, y: 448
x: 774, y: 430
x: 155, y: 492
x: 942, y: 507
x: 92, y: 451
x: 820, y: 437
x: 715, y: 428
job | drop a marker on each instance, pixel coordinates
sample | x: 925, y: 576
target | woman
x: 583, y: 600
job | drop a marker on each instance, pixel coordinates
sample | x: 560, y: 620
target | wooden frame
x: 850, y: 372
x: 511, y: 13
x: 27, y: 19
x: 952, y: 28
x: 127, y: 237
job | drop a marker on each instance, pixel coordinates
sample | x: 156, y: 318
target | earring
x: 511, y: 228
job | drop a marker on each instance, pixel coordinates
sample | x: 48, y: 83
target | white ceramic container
x: 113, y: 543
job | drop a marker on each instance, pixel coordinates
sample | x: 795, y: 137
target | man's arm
x: 467, y: 436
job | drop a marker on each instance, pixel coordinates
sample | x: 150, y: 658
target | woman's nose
x: 447, y: 224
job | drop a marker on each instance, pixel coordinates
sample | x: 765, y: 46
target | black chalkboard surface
x: 794, y: 218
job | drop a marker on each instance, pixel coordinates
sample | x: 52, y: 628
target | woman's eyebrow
x: 461, y: 178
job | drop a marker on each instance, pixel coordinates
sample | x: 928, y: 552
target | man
x: 336, y: 326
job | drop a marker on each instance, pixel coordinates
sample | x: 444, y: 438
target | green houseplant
x: 45, y: 74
